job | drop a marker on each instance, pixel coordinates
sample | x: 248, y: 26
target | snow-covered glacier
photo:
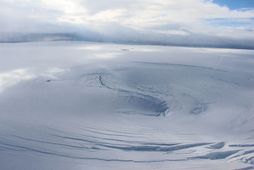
x: 76, y: 105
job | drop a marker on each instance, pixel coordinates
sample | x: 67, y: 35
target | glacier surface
x: 76, y: 105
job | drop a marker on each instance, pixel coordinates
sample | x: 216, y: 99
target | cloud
x: 129, y: 19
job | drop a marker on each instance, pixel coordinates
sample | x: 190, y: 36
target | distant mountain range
x: 172, y: 40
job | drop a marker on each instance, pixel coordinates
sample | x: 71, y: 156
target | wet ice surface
x: 70, y: 105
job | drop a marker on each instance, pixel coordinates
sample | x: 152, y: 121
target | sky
x: 236, y: 4
x: 160, y: 21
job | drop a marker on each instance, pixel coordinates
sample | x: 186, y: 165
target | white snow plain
x: 76, y: 105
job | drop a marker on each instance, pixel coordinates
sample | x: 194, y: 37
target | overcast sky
x: 152, y: 19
